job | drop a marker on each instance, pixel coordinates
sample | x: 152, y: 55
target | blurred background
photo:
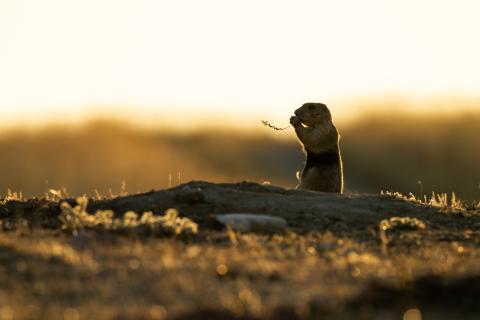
x: 148, y: 94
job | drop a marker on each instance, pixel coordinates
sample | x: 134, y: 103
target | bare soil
x: 347, y: 256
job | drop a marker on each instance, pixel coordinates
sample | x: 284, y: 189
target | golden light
x: 247, y: 60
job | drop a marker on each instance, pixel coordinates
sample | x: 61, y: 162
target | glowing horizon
x: 218, y: 59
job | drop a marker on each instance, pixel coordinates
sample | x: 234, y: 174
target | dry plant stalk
x: 268, y: 124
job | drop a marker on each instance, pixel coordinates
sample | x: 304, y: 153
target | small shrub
x: 75, y: 218
x: 399, y: 223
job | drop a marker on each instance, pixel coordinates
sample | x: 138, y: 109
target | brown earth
x: 352, y: 256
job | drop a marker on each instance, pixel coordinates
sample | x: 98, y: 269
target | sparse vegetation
x: 398, y: 223
x: 436, y: 200
x: 76, y: 218
x: 382, y: 257
x: 17, y: 196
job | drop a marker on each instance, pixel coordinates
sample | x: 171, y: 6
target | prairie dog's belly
x: 322, y: 173
x: 322, y: 179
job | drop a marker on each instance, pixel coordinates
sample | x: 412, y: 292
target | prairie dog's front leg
x: 295, y: 121
x: 302, y: 132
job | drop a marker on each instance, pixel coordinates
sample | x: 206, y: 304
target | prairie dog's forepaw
x: 295, y: 121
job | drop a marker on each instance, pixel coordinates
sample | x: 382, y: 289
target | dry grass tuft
x: 437, y: 200
x: 76, y: 218
x: 398, y: 224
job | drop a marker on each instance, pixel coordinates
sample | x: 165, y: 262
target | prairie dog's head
x: 312, y: 114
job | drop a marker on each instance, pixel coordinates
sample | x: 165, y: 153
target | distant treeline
x: 399, y: 152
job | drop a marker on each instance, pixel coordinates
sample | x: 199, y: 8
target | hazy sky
x: 248, y: 58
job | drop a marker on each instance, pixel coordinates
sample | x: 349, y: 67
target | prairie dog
x: 323, y: 169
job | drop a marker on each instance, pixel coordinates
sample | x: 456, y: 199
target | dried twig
x: 268, y: 124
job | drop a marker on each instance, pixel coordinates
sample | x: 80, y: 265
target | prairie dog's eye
x: 311, y: 107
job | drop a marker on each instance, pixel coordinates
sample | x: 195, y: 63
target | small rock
x: 249, y: 222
